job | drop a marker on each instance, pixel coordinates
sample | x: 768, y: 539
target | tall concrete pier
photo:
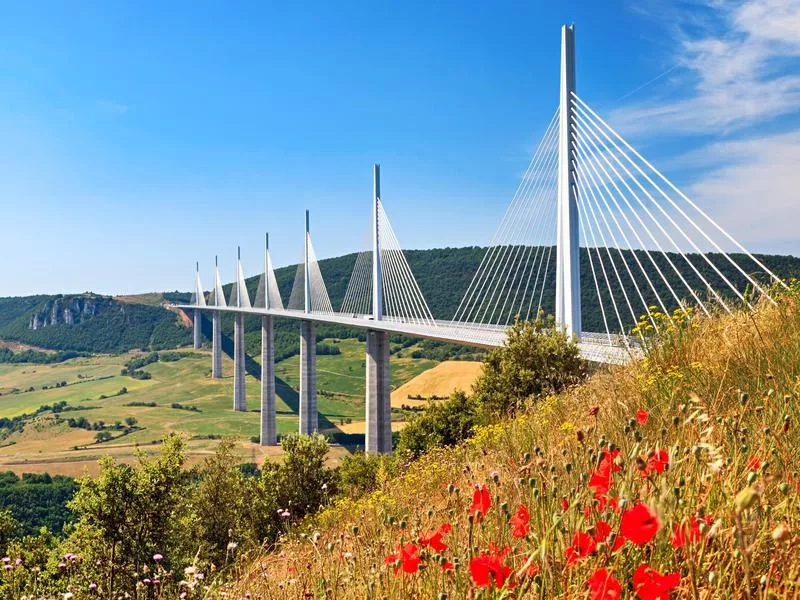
x: 239, y: 391
x: 309, y: 421
x: 269, y: 432
x: 378, y: 393
x: 216, y: 345
x: 197, y: 331
x: 379, y: 417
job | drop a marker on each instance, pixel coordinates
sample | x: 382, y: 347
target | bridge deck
x: 593, y: 346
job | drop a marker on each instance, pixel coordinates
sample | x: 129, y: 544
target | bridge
x: 650, y: 249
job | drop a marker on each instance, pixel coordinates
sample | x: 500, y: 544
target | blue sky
x: 136, y: 138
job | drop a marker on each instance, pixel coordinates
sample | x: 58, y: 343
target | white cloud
x: 741, y: 69
x: 753, y: 192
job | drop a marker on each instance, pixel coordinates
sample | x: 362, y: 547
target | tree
x: 130, y: 421
x: 537, y: 359
x: 128, y: 513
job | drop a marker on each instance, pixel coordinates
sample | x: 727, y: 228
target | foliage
x: 36, y: 356
x: 678, y: 472
x: 537, y: 360
x: 37, y: 500
x: 360, y: 473
x: 440, y: 424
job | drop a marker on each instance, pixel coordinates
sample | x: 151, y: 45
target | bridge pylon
x: 241, y: 301
x: 378, y: 432
x: 216, y: 325
x: 269, y: 433
x: 568, y: 271
x: 309, y: 419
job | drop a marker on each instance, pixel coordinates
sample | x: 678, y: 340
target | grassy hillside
x: 673, y: 477
x: 89, y: 388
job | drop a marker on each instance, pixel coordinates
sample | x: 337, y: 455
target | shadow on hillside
x: 286, y: 392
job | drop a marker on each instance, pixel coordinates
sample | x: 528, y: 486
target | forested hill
x: 102, y: 324
x: 89, y: 323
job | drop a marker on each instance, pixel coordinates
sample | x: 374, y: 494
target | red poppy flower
x: 481, y: 503
x: 601, y: 531
x: 488, y: 568
x: 687, y: 533
x: 532, y: 570
x: 754, y: 464
x: 593, y: 410
x: 603, y: 586
x: 582, y: 546
x: 447, y: 566
x: 603, y: 501
x: 408, y: 557
x: 649, y: 584
x: 642, y: 416
x: 601, y: 478
x: 519, y: 522
x: 656, y: 463
x: 564, y: 504
x: 433, y: 539
x: 639, y: 524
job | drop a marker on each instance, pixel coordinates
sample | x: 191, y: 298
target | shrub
x: 440, y: 424
x: 537, y: 360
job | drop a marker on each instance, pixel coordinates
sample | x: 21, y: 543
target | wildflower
x: 639, y: 524
x: 601, y: 478
x: 564, y: 504
x: 603, y: 586
x: 18, y: 562
x: 655, y: 463
x: 433, y: 539
x: 649, y: 584
x: 232, y: 546
x: 582, y: 546
x: 481, y: 503
x: 593, y: 410
x: 158, y: 557
x: 683, y: 533
x: 488, y: 568
x: 519, y: 522
x: 754, y: 464
x: 601, y: 531
x: 447, y: 566
x: 407, y: 559
x: 6, y: 559
x: 92, y: 587
x: 642, y: 416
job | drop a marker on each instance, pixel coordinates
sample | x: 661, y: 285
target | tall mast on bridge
x: 377, y: 277
x: 267, y: 271
x: 568, y: 270
x: 307, y: 272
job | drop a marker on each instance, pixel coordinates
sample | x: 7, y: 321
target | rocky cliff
x: 69, y: 310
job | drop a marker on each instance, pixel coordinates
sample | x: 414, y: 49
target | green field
x: 340, y: 384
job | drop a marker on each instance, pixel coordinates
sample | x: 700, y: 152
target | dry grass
x: 692, y: 386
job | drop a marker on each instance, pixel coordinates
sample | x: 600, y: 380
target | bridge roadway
x: 594, y: 347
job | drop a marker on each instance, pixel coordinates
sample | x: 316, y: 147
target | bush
x: 360, y: 473
x: 537, y: 360
x: 440, y: 424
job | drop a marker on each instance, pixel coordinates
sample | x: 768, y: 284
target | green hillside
x: 443, y: 274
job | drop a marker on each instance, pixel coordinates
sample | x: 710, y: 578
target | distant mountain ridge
x: 96, y: 323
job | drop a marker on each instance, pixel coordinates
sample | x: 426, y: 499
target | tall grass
x: 720, y: 397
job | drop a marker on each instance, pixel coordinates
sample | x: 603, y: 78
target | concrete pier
x: 239, y: 392
x: 379, y: 417
x: 216, y: 345
x: 309, y: 419
x: 269, y: 432
x: 197, y: 331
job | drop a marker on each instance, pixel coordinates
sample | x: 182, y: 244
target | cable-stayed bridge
x: 651, y: 249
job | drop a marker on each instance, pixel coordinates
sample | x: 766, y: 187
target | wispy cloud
x: 740, y: 68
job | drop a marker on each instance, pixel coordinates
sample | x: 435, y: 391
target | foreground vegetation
x: 673, y: 476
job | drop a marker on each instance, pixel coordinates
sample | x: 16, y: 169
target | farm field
x: 440, y: 380
x: 92, y: 390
